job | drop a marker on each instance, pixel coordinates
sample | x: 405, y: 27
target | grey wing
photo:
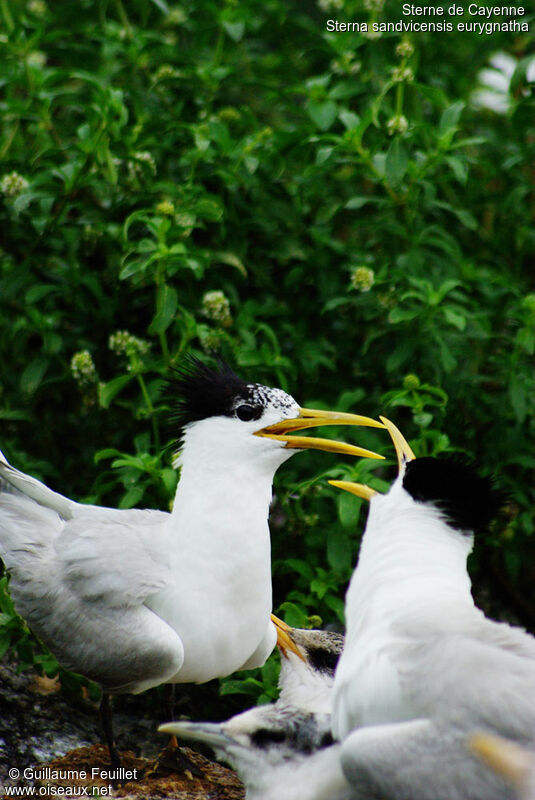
x: 81, y: 582
x: 470, y: 680
x: 417, y: 760
x: 117, y: 559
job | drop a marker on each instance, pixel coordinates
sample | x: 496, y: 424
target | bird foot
x: 174, y: 759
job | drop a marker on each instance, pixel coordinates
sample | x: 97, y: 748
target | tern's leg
x: 106, y: 714
x: 418, y: 760
x: 173, y: 757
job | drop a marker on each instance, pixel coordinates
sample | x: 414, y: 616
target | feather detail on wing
x: 52, y: 544
x: 114, y: 560
x: 474, y: 681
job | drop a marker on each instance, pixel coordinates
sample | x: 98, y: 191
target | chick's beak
x: 284, y: 638
x: 313, y: 418
x: 209, y: 733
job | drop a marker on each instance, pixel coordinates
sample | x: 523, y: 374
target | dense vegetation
x: 331, y: 212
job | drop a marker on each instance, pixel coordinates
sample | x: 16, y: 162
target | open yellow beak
x: 360, y: 489
x: 505, y: 758
x: 312, y: 418
x: 403, y: 449
x: 284, y: 639
x: 404, y: 454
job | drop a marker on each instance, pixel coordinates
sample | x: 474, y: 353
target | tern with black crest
x: 136, y: 598
x: 422, y: 667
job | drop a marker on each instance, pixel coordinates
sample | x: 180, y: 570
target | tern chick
x: 278, y: 751
x: 308, y: 663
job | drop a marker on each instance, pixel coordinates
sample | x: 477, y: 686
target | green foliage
x: 330, y: 212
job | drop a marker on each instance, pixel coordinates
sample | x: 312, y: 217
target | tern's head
x: 222, y: 419
x: 308, y: 663
x: 448, y: 488
x: 261, y: 739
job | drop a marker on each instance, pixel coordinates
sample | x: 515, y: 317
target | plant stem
x: 8, y: 19
x: 150, y: 409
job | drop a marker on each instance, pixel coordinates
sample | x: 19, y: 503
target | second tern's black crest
x: 469, y: 501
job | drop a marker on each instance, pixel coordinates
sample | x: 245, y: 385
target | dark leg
x: 106, y: 722
x: 172, y: 757
x: 169, y: 700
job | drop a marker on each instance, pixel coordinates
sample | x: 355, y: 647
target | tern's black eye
x: 247, y: 412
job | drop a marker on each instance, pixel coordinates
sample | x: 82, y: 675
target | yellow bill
x: 403, y: 449
x: 404, y: 454
x: 284, y: 639
x: 313, y: 418
x: 360, y: 489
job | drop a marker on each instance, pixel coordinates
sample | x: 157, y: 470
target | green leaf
x: 339, y: 555
x: 40, y: 290
x: 348, y: 506
x: 301, y: 567
x: 166, y: 305
x: 459, y: 168
x: 108, y: 452
x: 250, y: 686
x: 396, y: 162
x: 337, y: 605
x: 354, y: 203
x: 107, y: 391
x: 293, y: 615
x: 449, y: 119
x: 322, y: 114
x: 133, y: 496
x: 169, y: 479
x: 5, y: 641
x: 161, y: 5
x: 12, y: 414
x: 134, y: 266
x: 517, y: 397
x: 349, y: 119
x: 323, y: 154
x: 449, y: 362
x: 467, y: 219
x: 403, y: 315
x: 235, y: 30
x: 34, y: 374
x: 231, y: 259
x: 455, y: 318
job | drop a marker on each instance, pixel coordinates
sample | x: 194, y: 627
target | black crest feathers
x: 469, y: 501
x: 200, y: 391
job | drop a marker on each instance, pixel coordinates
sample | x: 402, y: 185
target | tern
x: 422, y: 667
x: 308, y: 662
x: 136, y: 598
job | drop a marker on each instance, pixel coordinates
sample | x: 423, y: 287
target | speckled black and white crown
x: 201, y: 391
